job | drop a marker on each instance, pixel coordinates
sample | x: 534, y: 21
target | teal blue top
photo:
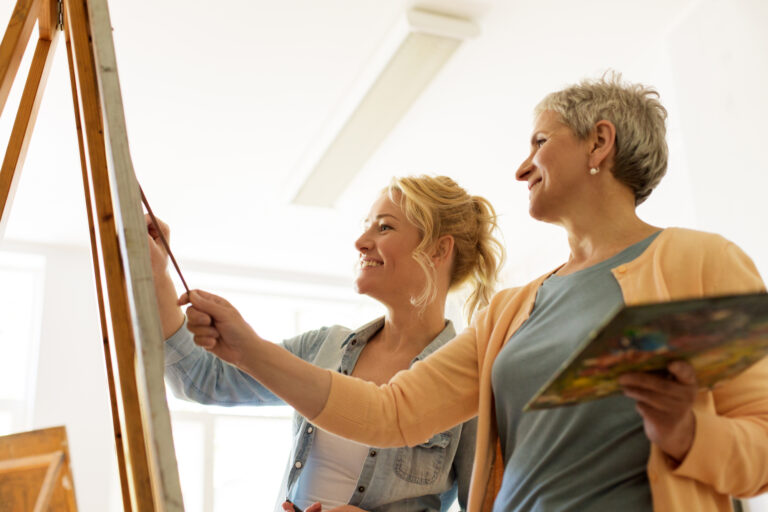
x: 564, y: 458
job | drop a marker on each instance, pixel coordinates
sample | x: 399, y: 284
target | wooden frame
x: 22, y: 456
x: 130, y: 325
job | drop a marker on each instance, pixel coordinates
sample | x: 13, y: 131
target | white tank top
x: 331, y: 471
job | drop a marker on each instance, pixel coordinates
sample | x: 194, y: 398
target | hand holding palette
x: 719, y: 336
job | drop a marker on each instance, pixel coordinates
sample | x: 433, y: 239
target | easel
x: 34, y: 472
x: 130, y: 326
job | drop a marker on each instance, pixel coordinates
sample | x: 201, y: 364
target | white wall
x: 71, y: 383
x: 709, y: 61
x: 719, y: 64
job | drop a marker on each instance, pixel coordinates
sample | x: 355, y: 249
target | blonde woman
x: 597, y: 150
x: 424, y: 236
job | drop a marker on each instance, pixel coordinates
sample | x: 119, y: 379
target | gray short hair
x: 637, y: 114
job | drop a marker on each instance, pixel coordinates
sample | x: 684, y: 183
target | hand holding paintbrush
x: 171, y: 315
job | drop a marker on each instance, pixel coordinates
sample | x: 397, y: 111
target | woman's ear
x: 603, y: 143
x: 443, y: 250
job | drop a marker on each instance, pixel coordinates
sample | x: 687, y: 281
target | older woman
x: 424, y: 236
x: 597, y: 151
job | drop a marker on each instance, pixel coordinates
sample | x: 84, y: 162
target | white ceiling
x: 222, y: 99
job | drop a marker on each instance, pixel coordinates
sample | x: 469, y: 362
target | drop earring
x: 594, y: 170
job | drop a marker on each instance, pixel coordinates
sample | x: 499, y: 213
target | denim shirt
x: 427, y: 477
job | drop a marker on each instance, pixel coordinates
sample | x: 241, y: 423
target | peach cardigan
x: 729, y: 455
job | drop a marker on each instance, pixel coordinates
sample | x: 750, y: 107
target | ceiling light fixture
x: 408, y: 61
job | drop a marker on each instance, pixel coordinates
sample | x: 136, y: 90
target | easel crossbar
x: 31, y: 462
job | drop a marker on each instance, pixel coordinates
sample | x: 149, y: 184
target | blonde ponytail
x: 438, y: 206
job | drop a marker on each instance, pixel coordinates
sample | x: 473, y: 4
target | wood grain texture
x: 34, y: 472
x: 14, y: 43
x: 24, y: 124
x: 128, y: 309
x: 112, y: 278
x: 105, y: 342
x: 29, y: 462
x: 48, y: 19
x: 52, y: 474
x: 135, y: 253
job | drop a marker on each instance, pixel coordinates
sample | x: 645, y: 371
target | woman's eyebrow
x: 367, y: 221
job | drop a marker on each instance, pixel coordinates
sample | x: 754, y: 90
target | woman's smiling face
x: 556, y: 168
x: 387, y: 270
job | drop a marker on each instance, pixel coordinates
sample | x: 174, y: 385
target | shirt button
x: 353, y: 342
x: 345, y: 372
x: 361, y: 489
x: 309, y: 429
x: 372, y: 453
x: 298, y: 464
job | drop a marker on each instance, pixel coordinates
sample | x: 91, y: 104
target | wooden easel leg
x: 24, y: 124
x: 111, y: 273
x: 48, y: 19
x: 119, y: 445
x: 14, y: 43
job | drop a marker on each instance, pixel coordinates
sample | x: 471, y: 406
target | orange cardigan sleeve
x: 730, y: 450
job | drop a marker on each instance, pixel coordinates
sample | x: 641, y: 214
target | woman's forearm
x: 171, y: 314
x: 300, y: 384
x: 219, y: 328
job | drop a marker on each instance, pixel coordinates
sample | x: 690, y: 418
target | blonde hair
x: 438, y: 206
x: 637, y: 114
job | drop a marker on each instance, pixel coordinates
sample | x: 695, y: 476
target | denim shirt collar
x: 364, y: 333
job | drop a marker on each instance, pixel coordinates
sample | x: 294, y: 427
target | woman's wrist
x: 681, y: 440
x: 252, y: 355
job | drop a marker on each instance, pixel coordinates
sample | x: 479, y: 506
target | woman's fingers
x: 663, y: 400
x: 200, y: 324
x: 649, y: 398
x: 203, y: 330
x: 206, y: 342
x: 153, y: 230
x: 213, y: 305
x: 684, y: 372
x: 195, y: 317
x: 665, y: 404
x: 659, y: 392
x: 209, y: 298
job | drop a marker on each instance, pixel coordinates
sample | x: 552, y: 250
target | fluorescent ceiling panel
x: 419, y: 53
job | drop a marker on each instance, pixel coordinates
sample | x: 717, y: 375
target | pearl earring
x: 594, y: 170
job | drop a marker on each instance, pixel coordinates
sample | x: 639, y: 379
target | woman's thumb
x: 206, y: 302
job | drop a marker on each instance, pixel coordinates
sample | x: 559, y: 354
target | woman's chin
x: 364, y: 288
x: 534, y: 210
x: 361, y: 286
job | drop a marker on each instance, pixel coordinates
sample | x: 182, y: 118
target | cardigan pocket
x: 423, y: 463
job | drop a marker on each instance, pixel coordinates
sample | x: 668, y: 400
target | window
x: 21, y: 279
